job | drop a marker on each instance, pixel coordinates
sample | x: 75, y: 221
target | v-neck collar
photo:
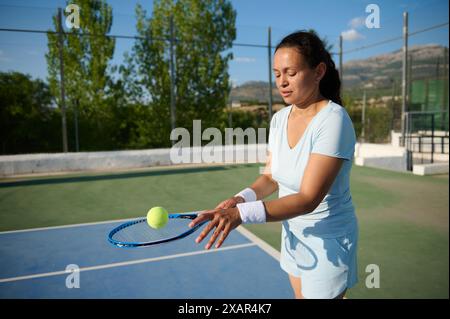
x: 307, y: 127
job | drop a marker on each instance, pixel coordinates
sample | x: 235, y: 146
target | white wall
x: 384, y: 156
x: 91, y: 161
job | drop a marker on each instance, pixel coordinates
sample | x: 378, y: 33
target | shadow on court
x: 76, y: 179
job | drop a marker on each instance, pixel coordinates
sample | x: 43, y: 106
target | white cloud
x: 351, y: 35
x: 357, y: 22
x: 244, y: 59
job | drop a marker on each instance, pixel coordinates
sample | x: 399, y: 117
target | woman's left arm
x: 319, y: 175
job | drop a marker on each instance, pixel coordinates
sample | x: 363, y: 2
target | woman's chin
x: 288, y: 100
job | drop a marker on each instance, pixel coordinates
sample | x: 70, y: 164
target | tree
x: 26, y: 115
x: 87, y: 52
x: 204, y: 30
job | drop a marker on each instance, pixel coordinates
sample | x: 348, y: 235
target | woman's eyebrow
x: 286, y: 68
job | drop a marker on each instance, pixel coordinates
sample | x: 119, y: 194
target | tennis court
x: 403, y: 229
x: 182, y: 269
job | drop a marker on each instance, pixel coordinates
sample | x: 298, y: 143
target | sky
x: 25, y: 52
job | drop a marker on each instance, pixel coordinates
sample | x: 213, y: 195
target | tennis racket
x: 137, y: 233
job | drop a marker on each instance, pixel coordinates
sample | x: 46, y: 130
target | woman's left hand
x: 224, y: 220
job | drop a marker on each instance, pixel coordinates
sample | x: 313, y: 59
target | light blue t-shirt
x: 330, y: 133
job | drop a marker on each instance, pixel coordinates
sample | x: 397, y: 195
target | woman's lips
x: 286, y: 93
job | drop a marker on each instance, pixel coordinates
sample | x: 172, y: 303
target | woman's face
x: 296, y: 81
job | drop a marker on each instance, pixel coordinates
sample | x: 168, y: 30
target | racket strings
x: 141, y: 232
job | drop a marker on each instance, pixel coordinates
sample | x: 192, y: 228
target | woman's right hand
x: 230, y: 202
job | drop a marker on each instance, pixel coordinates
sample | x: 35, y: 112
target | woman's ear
x: 321, y: 69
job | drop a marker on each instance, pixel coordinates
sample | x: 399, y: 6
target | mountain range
x: 378, y: 72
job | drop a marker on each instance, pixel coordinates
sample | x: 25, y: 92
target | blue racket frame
x: 123, y: 244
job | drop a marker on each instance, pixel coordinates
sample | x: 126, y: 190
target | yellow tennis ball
x: 157, y: 217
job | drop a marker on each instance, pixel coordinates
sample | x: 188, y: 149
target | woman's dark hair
x: 313, y: 50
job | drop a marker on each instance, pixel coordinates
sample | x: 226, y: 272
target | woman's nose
x: 283, y: 82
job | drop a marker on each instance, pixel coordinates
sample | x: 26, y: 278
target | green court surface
x: 403, y: 218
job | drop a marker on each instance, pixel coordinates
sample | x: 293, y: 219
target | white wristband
x: 247, y: 194
x: 252, y: 212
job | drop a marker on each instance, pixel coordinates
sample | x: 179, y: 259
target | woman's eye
x: 292, y: 74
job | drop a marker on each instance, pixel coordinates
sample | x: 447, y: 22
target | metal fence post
x: 432, y: 138
x: 404, y: 70
x: 270, y: 74
x: 341, y: 71
x: 172, y: 80
x: 61, y: 74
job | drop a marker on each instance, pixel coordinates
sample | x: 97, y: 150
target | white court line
x: 258, y: 241
x: 78, y: 225
x: 246, y: 233
x: 127, y: 263
x: 67, y: 226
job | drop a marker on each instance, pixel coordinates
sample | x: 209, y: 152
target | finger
x: 228, y: 204
x: 206, y: 231
x: 215, y: 235
x: 221, y: 205
x: 200, y: 218
x: 225, y: 233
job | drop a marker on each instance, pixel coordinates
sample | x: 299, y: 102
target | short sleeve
x: 335, y: 136
x: 272, y: 129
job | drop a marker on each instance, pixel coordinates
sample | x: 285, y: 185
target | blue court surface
x: 34, y: 262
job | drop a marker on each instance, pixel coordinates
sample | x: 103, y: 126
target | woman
x: 311, y: 146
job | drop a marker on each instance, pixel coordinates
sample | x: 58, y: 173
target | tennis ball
x: 157, y: 217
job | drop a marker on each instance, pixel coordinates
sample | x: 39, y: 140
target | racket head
x: 137, y: 233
